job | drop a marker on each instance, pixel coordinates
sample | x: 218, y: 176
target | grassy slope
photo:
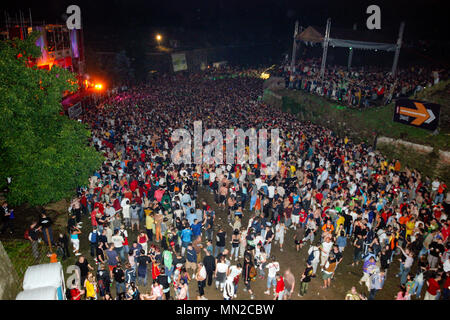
x: 360, y: 125
x: 379, y: 119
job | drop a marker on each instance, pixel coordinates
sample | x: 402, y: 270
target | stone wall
x: 444, y: 156
x: 8, y: 277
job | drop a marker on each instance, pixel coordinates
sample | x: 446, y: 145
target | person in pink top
x: 403, y: 294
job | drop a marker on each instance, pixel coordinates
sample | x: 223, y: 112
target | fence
x: 21, y: 255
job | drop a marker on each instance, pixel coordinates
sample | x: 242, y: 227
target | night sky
x: 131, y: 25
x: 424, y: 19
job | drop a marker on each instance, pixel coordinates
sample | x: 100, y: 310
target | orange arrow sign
x: 420, y: 114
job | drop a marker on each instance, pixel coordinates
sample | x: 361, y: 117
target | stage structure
x: 348, y: 38
x: 59, y: 46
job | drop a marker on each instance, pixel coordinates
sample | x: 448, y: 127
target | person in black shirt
x: 45, y: 223
x: 142, y: 262
x: 103, y: 239
x: 358, y: 243
x: 84, y: 266
x: 71, y: 223
x: 215, y: 187
x: 100, y: 253
x: 305, y: 280
x: 6, y: 215
x: 103, y: 281
x: 209, y: 226
x: 248, y: 264
x: 436, y: 250
x: 220, y: 241
x: 385, y: 257
x: 210, y: 265
x: 63, y: 242
x: 119, y: 278
x: 164, y: 281
x: 338, y: 255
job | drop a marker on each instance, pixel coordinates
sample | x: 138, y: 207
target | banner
x: 179, y: 62
x: 75, y: 110
x: 417, y: 113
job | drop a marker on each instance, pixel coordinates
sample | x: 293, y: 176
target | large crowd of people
x: 360, y: 86
x: 152, y: 235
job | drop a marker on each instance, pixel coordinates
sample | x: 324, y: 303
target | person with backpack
x: 93, y: 242
x: 103, y: 281
x: 313, y: 258
x: 305, y: 279
x: 247, y: 272
x: 124, y: 234
x: 130, y: 273
x: 119, y: 278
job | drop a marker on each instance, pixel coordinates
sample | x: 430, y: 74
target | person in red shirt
x: 94, y: 216
x: 84, y: 203
x: 133, y: 185
x: 433, y: 287
x: 75, y: 294
x: 445, y: 231
x: 279, y: 291
x: 155, y: 269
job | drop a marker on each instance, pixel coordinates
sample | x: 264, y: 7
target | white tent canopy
x: 362, y: 44
x: 43, y: 275
x: 348, y: 39
x: 43, y: 293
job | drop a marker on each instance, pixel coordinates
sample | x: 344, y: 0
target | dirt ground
x: 346, y: 276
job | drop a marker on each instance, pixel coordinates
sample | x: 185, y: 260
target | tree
x: 46, y: 154
x: 122, y: 68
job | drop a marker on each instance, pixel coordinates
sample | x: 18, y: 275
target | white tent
x: 43, y: 275
x: 43, y: 293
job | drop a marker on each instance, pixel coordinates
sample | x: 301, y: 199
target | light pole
x: 159, y: 38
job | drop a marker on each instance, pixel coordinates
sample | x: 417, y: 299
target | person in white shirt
x: 233, y: 272
x: 271, y: 190
x: 200, y: 276
x: 221, y: 273
x: 314, y: 250
x: 110, y: 211
x: 118, y: 240
x: 273, y: 267
x: 258, y: 182
x: 126, y: 212
x: 228, y: 292
x: 325, y: 249
x: 280, y: 230
x: 280, y: 191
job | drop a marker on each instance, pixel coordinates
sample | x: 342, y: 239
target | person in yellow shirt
x: 410, y: 226
x: 383, y: 165
x: 149, y: 224
x: 90, y: 286
x: 293, y: 169
x: 339, y: 221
